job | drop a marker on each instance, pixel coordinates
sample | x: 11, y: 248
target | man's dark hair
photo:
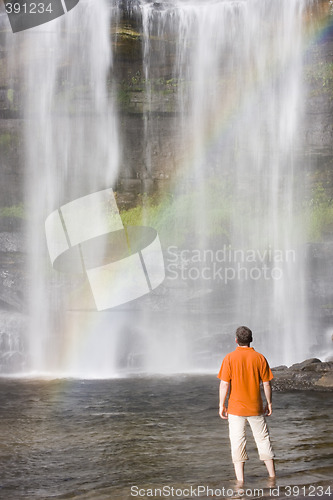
x: 243, y: 335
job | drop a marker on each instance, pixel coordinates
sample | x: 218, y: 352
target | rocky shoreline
x: 311, y: 374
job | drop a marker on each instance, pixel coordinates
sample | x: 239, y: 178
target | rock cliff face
x: 133, y: 106
x: 166, y: 151
x: 12, y: 296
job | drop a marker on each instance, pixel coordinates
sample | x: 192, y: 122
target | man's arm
x: 224, y: 387
x: 268, y: 410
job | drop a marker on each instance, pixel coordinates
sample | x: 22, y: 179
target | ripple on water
x: 70, y: 438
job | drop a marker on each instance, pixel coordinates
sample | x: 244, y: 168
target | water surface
x: 97, y: 438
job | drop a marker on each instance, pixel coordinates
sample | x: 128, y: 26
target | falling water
x: 71, y: 149
x: 236, y: 72
x: 238, y: 67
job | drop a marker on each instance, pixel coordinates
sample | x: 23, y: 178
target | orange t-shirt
x: 244, y: 368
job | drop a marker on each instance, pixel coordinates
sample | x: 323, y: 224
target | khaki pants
x: 238, y: 438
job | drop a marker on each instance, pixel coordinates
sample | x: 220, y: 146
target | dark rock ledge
x: 311, y: 374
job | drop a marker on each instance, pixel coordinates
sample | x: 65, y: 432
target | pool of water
x: 100, y: 438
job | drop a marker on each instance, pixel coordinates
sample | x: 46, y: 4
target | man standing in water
x: 242, y: 370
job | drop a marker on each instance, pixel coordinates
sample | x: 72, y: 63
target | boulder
x: 311, y: 374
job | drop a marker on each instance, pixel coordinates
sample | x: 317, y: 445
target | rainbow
x: 82, y: 329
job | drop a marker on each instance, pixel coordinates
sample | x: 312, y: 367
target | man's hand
x: 268, y: 395
x: 223, y: 412
x: 224, y: 387
x: 268, y: 410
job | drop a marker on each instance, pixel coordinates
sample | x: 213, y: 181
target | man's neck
x: 243, y: 345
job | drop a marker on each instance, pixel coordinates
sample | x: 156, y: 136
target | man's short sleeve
x: 265, y: 372
x: 225, y: 370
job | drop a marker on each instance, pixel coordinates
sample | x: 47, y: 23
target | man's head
x: 243, y: 336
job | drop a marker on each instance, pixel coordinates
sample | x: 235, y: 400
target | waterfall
x: 233, y: 74
x: 71, y: 151
x: 238, y: 71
